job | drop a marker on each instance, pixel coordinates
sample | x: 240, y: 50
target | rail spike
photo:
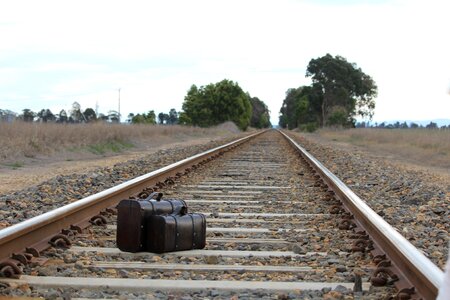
x: 379, y: 258
x: 346, y: 224
x: 32, y: 251
x: 10, y: 269
x: 98, y: 220
x: 405, y: 294
x: 362, y: 245
x: 336, y: 209
x: 60, y: 240
x: 24, y: 258
x: 383, y: 276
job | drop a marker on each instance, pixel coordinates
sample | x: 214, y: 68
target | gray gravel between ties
x: 409, y: 201
x: 66, y: 188
x: 416, y: 203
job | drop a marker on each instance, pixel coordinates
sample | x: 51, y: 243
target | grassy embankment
x: 19, y: 140
x: 423, y: 147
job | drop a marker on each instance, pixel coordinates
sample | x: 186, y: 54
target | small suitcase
x: 168, y: 233
x: 131, y: 216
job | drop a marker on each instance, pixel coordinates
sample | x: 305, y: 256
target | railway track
x: 278, y: 226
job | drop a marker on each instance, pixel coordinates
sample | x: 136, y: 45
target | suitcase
x: 166, y: 233
x: 131, y: 216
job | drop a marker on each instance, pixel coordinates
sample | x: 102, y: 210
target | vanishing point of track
x: 279, y: 225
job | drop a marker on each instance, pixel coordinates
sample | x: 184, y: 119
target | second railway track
x: 273, y: 232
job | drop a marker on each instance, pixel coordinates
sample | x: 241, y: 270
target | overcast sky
x: 53, y: 53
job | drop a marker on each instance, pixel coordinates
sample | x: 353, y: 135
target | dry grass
x: 19, y: 139
x: 425, y: 147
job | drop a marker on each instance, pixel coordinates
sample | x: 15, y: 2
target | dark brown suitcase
x: 168, y: 233
x: 131, y: 216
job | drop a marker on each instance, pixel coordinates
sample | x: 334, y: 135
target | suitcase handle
x: 180, y: 211
x: 155, y: 195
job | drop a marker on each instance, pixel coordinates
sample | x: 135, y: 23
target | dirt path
x: 38, y: 170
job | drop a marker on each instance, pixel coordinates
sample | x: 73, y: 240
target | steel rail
x: 40, y: 229
x: 415, y: 267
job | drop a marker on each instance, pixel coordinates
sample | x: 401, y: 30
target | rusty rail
x: 23, y: 241
x: 411, y: 271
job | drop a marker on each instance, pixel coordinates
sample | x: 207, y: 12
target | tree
x: 130, y: 117
x: 163, y: 118
x: 27, y: 115
x: 217, y: 103
x: 173, y: 117
x: 301, y: 108
x: 75, y: 113
x: 260, y: 114
x: 113, y: 116
x: 183, y: 119
x: 288, y: 118
x: 346, y: 91
x: 7, y: 115
x: 46, y: 115
x: 148, y: 118
x: 89, y: 115
x: 62, y: 118
x: 103, y: 117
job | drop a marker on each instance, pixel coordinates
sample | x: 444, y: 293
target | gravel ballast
x: 66, y: 188
x: 414, y: 202
x: 409, y: 200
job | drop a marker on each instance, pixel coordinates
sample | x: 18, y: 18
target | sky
x: 53, y: 53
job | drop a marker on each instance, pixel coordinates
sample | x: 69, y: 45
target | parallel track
x: 276, y: 224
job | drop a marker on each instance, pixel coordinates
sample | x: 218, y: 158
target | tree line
x: 203, y: 106
x: 74, y: 115
x: 403, y: 125
x: 340, y: 91
x: 170, y: 118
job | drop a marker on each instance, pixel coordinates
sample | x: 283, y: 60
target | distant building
x: 7, y: 116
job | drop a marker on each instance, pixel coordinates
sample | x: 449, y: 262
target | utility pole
x: 119, y: 107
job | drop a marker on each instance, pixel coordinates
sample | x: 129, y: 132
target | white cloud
x: 86, y: 50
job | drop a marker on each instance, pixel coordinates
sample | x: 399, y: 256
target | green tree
x: 89, y: 115
x: 291, y: 107
x: 431, y: 125
x: 217, y: 103
x: 288, y: 118
x: 345, y: 90
x: 27, y: 115
x: 173, y: 117
x: 102, y: 117
x: 130, y: 117
x: 300, y: 108
x: 62, y: 117
x: 151, y: 117
x: 260, y: 114
x: 183, y: 119
x: 163, y: 118
x: 114, y: 116
x: 46, y: 115
x: 75, y: 113
x: 148, y: 118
